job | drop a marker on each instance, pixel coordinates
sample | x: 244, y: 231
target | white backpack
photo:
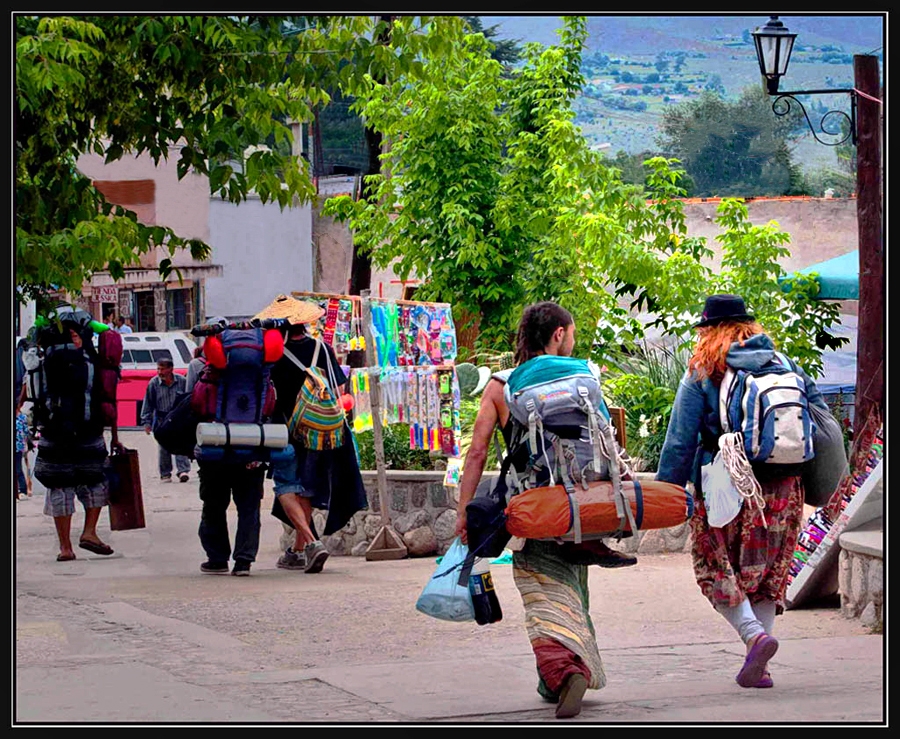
x: 769, y: 410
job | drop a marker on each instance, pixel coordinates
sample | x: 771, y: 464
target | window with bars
x: 179, y: 309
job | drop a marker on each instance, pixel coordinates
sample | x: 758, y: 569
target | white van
x: 144, y: 349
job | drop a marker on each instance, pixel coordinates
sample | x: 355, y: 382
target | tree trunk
x: 361, y: 264
x: 869, y: 194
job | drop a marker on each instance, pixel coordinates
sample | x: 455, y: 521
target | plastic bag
x: 722, y: 499
x: 443, y: 597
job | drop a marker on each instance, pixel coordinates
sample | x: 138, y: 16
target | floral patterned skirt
x: 745, y: 558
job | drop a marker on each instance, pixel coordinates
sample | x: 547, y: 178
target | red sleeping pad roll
x: 547, y: 512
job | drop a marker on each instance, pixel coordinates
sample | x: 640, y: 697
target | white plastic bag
x: 722, y: 499
x: 443, y: 597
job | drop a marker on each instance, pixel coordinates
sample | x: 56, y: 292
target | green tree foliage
x: 506, y: 51
x: 211, y: 86
x: 492, y: 194
x: 735, y: 148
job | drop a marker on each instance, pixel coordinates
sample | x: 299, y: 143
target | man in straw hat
x: 325, y: 478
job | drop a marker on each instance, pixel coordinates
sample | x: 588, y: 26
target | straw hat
x: 295, y: 311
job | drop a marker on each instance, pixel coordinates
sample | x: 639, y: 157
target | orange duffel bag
x: 548, y: 512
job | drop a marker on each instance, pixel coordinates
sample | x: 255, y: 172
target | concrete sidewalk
x: 143, y: 637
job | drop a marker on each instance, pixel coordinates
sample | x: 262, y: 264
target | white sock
x: 743, y: 619
x: 765, y: 613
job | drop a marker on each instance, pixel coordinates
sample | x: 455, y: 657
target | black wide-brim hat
x: 721, y: 308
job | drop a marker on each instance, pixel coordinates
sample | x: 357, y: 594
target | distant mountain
x: 638, y: 35
x: 721, y: 57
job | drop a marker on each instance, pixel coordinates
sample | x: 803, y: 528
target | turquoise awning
x: 838, y: 277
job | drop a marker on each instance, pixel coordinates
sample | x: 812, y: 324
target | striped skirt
x: 557, y: 618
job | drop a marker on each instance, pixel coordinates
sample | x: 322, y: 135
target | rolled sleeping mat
x: 269, y: 435
x: 549, y: 512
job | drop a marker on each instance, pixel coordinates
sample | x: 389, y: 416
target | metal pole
x: 869, y: 205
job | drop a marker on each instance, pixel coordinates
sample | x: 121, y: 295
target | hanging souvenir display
x: 362, y: 406
x: 414, y: 347
x: 449, y: 412
x: 343, y: 327
x: 819, y: 526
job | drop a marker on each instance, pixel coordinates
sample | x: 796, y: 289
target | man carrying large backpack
x: 234, y: 398
x: 551, y: 577
x: 73, y: 390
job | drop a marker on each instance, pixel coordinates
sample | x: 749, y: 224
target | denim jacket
x: 694, y: 427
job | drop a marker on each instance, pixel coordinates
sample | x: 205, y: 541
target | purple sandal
x: 754, y: 668
x: 766, y: 681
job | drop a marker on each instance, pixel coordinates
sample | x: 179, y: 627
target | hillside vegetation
x: 637, y: 66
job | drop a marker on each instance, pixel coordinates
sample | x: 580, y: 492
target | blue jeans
x: 18, y: 466
x: 182, y: 464
x: 219, y: 483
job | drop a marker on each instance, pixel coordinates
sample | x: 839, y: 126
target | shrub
x: 644, y: 384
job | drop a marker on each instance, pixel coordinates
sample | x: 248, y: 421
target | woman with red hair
x: 742, y: 568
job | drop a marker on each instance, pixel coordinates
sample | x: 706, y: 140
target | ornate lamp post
x: 774, y: 44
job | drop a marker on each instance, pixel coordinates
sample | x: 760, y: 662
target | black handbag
x: 485, y: 513
x: 177, y: 432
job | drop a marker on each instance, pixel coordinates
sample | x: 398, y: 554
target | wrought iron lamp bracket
x: 782, y: 106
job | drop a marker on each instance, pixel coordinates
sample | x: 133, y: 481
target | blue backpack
x: 234, y: 397
x: 768, y: 408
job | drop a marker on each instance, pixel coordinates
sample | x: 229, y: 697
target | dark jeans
x: 219, y: 482
x: 18, y: 466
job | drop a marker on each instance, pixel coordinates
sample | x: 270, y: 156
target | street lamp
x: 774, y: 43
x: 773, y: 50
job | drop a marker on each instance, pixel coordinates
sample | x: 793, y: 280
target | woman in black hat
x: 742, y: 568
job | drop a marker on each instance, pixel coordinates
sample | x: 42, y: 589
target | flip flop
x: 755, y: 665
x: 65, y: 557
x: 95, y: 548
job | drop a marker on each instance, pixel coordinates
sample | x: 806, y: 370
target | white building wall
x: 263, y: 251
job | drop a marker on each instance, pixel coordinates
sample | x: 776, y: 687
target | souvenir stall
x: 413, y: 357
x: 400, y: 358
x: 813, y: 571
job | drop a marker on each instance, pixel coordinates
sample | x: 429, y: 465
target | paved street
x: 143, y: 637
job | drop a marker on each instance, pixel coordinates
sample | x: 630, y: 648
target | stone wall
x: 423, y: 513
x: 861, y: 585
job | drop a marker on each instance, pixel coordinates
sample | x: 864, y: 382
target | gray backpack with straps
x: 564, y: 426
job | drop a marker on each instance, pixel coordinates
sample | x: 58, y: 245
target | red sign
x: 106, y: 294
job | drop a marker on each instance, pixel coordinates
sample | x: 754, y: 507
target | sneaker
x: 165, y: 478
x: 292, y: 560
x: 183, y: 477
x: 241, y: 568
x: 214, y: 568
x: 316, y: 554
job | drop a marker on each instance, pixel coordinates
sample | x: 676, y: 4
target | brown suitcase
x: 126, y: 499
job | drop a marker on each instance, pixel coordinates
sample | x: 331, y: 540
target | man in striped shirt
x: 162, y: 392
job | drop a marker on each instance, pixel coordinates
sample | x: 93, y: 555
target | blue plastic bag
x: 443, y: 597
